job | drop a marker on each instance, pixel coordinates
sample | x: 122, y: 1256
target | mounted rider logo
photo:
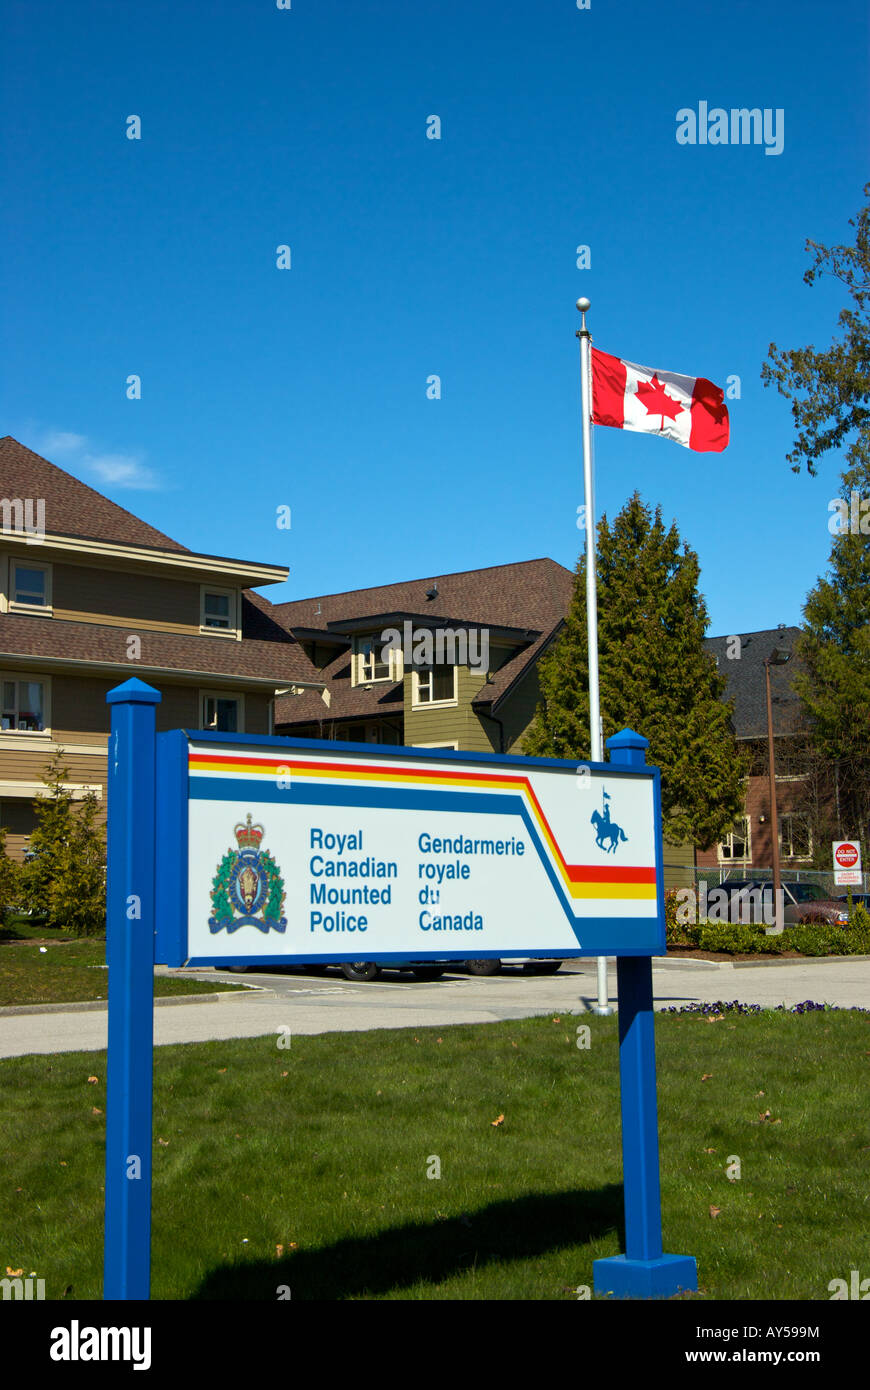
x: 608, y: 834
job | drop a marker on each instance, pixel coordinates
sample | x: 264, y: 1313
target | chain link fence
x: 713, y: 877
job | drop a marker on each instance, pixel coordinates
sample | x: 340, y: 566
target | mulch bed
x: 692, y: 953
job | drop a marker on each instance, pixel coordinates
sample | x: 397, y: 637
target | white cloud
x: 115, y: 470
x: 61, y: 442
x: 122, y: 470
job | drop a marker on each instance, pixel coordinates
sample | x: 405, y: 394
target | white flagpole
x: 595, y: 740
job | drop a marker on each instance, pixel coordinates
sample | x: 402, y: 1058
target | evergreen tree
x: 9, y: 878
x: 655, y: 675
x: 64, y: 877
x: 53, y: 814
x: 77, y: 898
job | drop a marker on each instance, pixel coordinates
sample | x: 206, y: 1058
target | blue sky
x: 412, y: 257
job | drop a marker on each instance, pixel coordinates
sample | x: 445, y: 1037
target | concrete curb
x: 89, y: 1005
x: 692, y: 962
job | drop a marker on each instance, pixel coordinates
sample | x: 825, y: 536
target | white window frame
x: 13, y: 605
x: 233, y: 631
x: 417, y: 703
x: 795, y: 815
x: 223, y: 695
x: 729, y: 840
x: 451, y: 743
x: 358, y: 676
x: 45, y: 682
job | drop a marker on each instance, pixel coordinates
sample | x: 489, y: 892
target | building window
x: 218, y: 611
x: 797, y: 836
x: 24, y: 707
x: 735, y: 848
x: 222, y: 713
x: 374, y: 660
x: 434, y: 685
x: 30, y: 587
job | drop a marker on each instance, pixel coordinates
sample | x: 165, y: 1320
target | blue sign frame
x: 602, y: 935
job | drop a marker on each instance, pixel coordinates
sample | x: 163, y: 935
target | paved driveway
x: 311, y: 1004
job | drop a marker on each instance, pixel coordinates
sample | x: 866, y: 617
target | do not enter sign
x: 846, y: 854
x: 847, y: 862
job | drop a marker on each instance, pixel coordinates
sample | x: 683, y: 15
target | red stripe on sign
x: 601, y: 873
x: 608, y: 389
x: 710, y: 428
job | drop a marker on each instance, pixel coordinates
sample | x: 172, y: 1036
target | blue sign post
x: 508, y: 841
x: 643, y: 1271
x: 130, y: 956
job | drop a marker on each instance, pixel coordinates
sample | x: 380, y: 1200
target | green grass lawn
x: 306, y: 1166
x: 69, y: 970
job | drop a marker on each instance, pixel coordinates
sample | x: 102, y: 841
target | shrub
x: 9, y: 878
x: 737, y: 937
x: 816, y: 939
x: 678, y: 933
x: 860, y: 919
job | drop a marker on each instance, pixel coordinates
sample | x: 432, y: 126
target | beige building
x: 91, y: 595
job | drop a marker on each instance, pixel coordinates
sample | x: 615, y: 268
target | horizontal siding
x: 257, y: 714
x: 679, y: 865
x: 82, y: 593
x: 30, y: 763
x: 518, y: 712
x: 447, y: 724
x: 18, y: 818
x: 17, y: 813
x: 79, y: 712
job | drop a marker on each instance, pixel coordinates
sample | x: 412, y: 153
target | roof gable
x: 71, y: 507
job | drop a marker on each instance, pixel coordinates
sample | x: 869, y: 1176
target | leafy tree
x: 830, y: 390
x: 64, y: 878
x: 834, y: 686
x: 830, y: 395
x: 654, y: 675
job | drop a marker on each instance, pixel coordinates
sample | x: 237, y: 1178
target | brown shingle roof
x: 533, y: 596
x: 71, y: 507
x: 263, y: 658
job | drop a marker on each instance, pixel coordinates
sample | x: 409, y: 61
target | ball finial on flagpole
x: 583, y: 305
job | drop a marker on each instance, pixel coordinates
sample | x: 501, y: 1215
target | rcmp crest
x: 247, y: 890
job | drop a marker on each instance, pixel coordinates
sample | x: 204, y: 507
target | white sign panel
x: 301, y: 850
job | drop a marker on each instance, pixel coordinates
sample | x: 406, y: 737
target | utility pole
x: 776, y: 658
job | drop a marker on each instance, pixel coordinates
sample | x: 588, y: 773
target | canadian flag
x: 689, y: 409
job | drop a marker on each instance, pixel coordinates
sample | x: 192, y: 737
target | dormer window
x: 218, y: 611
x: 374, y: 660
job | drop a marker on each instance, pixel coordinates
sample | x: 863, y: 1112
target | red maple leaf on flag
x: 656, y: 401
